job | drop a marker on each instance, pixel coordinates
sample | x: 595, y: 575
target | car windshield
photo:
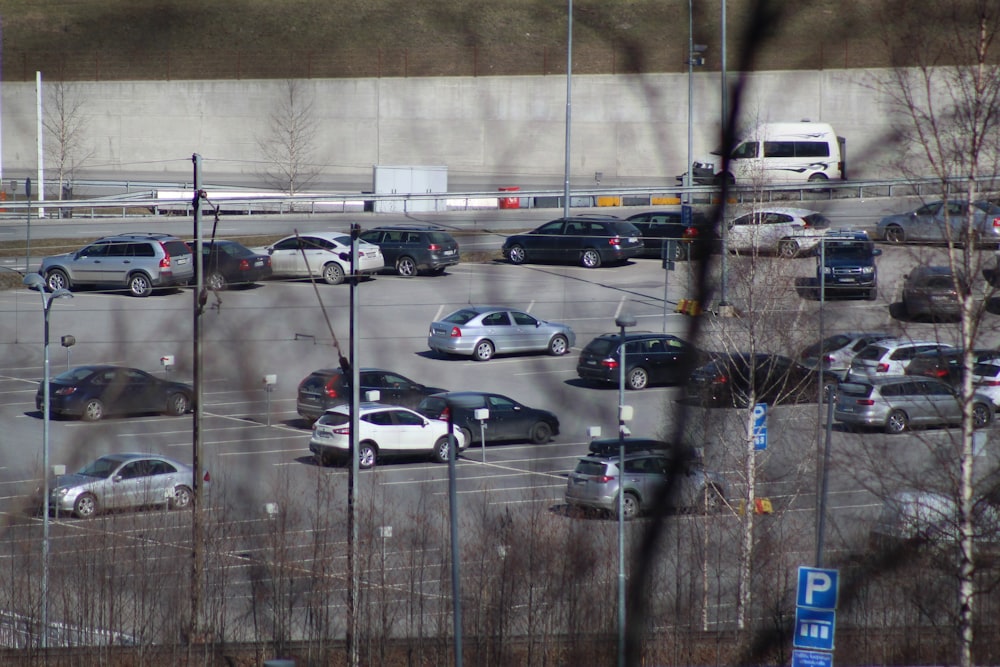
x: 827, y: 345
x: 101, y: 468
x: 461, y: 316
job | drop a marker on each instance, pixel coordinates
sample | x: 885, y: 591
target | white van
x: 775, y: 153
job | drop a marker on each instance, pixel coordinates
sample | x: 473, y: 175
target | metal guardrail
x: 168, y: 199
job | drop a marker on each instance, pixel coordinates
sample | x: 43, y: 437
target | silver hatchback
x: 482, y: 331
x: 896, y: 403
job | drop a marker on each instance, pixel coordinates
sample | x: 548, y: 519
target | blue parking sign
x: 814, y: 629
x: 817, y: 588
x: 760, y: 426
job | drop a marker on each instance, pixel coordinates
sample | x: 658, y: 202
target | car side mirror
x: 116, y: 478
x: 537, y: 324
x: 270, y: 250
x: 876, y: 252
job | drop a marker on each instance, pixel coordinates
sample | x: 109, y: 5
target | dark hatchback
x: 227, y: 263
x: 410, y: 249
x: 649, y: 359
x: 945, y: 365
x: 726, y: 381
x: 93, y: 392
x: 328, y: 387
x: 509, y: 421
x: 693, y: 241
x: 586, y: 240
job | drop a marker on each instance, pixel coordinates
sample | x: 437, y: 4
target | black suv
x: 588, y: 240
x: 845, y: 265
x: 693, y: 241
x: 410, y: 249
x: 327, y: 387
x: 650, y: 358
x: 137, y: 262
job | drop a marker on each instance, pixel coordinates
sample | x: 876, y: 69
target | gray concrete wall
x: 488, y: 131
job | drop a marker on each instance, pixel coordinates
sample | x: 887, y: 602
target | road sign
x: 811, y: 659
x: 814, y: 628
x: 760, y: 426
x: 817, y: 588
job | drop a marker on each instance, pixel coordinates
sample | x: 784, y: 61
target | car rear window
x: 439, y: 237
x: 817, y: 220
x: 829, y: 345
x: 461, y: 316
x: 601, y: 346
x: 175, y: 248
x: 432, y: 406
x: 858, y: 389
x: 588, y: 467
x: 625, y: 228
x: 872, y: 353
x: 315, y: 381
x: 334, y: 419
x: 986, y: 370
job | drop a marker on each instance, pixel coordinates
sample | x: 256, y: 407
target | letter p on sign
x: 817, y: 588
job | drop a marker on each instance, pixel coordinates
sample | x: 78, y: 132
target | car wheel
x: 182, y: 498
x: 681, y: 250
x: 590, y: 259
x: 630, y: 506
x: 712, y: 501
x: 897, y: 422
x: 440, y: 452
x: 483, y: 351
x: 139, y: 285
x: 872, y: 294
x: 405, y: 266
x: 333, y: 274
x: 558, y: 346
x: 177, y: 404
x: 541, y: 433
x: 894, y: 234
x: 637, y: 379
x: 368, y: 452
x: 93, y: 411
x: 788, y: 248
x: 85, y: 506
x: 56, y: 279
x: 215, y: 281
x: 516, y: 255
x: 982, y: 415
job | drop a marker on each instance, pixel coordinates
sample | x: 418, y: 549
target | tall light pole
x: 622, y: 321
x: 569, y: 105
x: 36, y: 282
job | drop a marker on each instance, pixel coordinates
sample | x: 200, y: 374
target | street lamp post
x: 36, y: 282
x: 622, y: 321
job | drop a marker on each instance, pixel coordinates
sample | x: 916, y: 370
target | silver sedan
x: 940, y: 221
x: 482, y: 331
x: 120, y: 481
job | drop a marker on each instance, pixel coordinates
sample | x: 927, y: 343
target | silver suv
x: 137, y: 262
x: 651, y: 469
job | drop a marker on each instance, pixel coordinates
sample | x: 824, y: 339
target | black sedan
x: 726, y: 381
x: 230, y: 263
x: 508, y: 420
x: 657, y: 227
x: 94, y: 392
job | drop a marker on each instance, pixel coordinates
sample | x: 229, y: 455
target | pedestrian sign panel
x: 814, y: 629
x: 811, y: 659
x: 817, y: 588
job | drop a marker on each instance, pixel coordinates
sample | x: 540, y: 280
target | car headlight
x: 827, y: 270
x: 60, y: 492
x: 868, y: 269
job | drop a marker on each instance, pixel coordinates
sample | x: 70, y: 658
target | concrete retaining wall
x: 488, y: 131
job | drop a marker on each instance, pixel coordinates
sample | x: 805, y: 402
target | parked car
x: 946, y: 365
x: 586, y: 240
x: 783, y: 231
x: 986, y: 378
x: 896, y: 403
x: 941, y: 221
x: 226, y: 263
x: 508, y: 420
x: 385, y: 431
x: 409, y: 249
x: 324, y: 255
x: 328, y: 387
x: 694, y: 240
x: 931, y: 517
x: 94, y: 392
x: 482, y: 331
x: 727, y: 381
x: 123, y: 481
x: 845, y: 265
x: 137, y: 262
x: 838, y: 350
x: 649, y: 358
x: 889, y: 356
x: 931, y: 292
x: 653, y: 471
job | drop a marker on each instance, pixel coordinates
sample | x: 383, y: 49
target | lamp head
x: 625, y: 321
x: 34, y: 281
x: 61, y: 293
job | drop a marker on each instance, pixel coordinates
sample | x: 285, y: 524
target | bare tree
x: 65, y: 124
x: 289, y: 146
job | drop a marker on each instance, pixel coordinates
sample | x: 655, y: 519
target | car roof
x: 407, y: 227
x: 800, y: 212
x: 487, y: 309
x: 144, y: 236
x: 899, y: 342
x: 366, y: 407
x: 632, y: 335
x: 328, y: 235
x: 459, y: 394
x: 896, y: 379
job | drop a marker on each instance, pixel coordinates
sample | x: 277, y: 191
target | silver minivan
x: 896, y: 403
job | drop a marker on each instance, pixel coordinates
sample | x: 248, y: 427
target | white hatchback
x: 889, y: 357
x: 986, y: 378
x: 325, y: 255
x: 385, y: 431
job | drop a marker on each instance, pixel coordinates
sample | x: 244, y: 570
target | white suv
x: 889, y: 357
x: 385, y: 430
x: 784, y: 231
